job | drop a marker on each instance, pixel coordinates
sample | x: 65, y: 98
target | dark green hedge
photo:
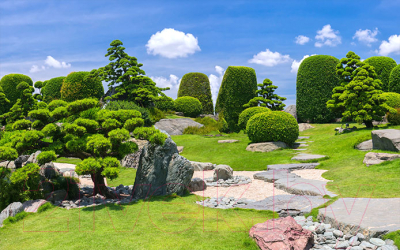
x: 316, y: 79
x: 238, y: 87
x: 52, y: 90
x: 190, y: 106
x: 394, y: 79
x: 9, y: 84
x: 79, y: 85
x: 273, y: 126
x: 383, y: 66
x: 197, y: 85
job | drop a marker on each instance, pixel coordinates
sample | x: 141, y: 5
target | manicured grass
x: 126, y: 177
x: 351, y: 178
x: 68, y: 160
x: 161, y: 223
x: 395, y: 236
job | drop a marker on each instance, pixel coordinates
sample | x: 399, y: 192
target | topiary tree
x: 248, y: 113
x: 360, y: 92
x: 316, y: 79
x: 165, y: 103
x: 197, y: 85
x: 117, y: 105
x: 238, y: 87
x: 52, y: 89
x: 383, y: 66
x: 124, y: 71
x: 266, y: 97
x: 3, y: 98
x: 273, y: 126
x: 9, y: 85
x: 188, y: 105
x: 394, y: 79
x: 392, y: 99
x: 81, y: 85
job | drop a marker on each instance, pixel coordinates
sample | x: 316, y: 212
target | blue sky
x: 46, y: 39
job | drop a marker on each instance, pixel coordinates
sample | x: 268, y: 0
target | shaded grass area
x: 126, y: 177
x: 68, y: 160
x: 161, y: 223
x: 351, y: 178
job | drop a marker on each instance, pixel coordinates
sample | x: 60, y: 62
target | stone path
x: 307, y: 157
x: 292, y: 166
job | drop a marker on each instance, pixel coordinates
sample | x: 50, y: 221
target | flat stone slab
x: 300, y: 186
x: 307, y: 157
x: 227, y: 141
x: 365, y: 146
x: 372, y: 158
x: 266, y: 146
x: 273, y: 175
x: 372, y: 217
x: 292, y: 166
x: 303, y: 137
x: 176, y: 126
x: 64, y: 167
x: 287, y: 204
x: 32, y: 206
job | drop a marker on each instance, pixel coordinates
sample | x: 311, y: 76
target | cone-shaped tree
x: 394, y: 80
x: 197, y: 85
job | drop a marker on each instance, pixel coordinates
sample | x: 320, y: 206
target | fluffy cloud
x: 302, y: 39
x: 269, y: 58
x: 50, y: 61
x: 163, y: 82
x: 36, y: 68
x: 327, y: 36
x: 215, y: 82
x: 366, y: 36
x: 393, y: 46
x: 296, y: 64
x: 172, y: 43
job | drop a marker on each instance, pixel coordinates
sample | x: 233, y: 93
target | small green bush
x: 6, y: 196
x: 383, y: 65
x: 158, y: 138
x: 98, y: 144
x: 42, y: 115
x: 190, y: 106
x: 42, y: 105
x: 46, y: 157
x: 156, y: 114
x: 134, y: 123
x: 118, y: 135
x: 74, y: 129
x: 80, y: 85
x: 248, y: 113
x: 143, y: 133
x: 9, y: 84
x: 82, y: 105
x: 52, y: 90
x: 394, y: 79
x: 90, y: 113
x: 118, y: 105
x: 165, y: 103
x: 197, y: 85
x: 26, y: 181
x: 273, y: 126
x: 50, y: 129
x: 110, y: 124
x: 22, y: 125
x: 56, y: 103
x: 90, y: 125
x: 59, y: 113
x: 392, y: 99
x: 394, y: 119
x: 126, y: 148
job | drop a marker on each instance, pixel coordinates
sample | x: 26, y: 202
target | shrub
x: 273, y: 126
x: 383, y: 66
x: 238, y: 87
x: 56, y: 103
x: 316, y: 79
x: 158, y: 138
x: 82, y: 105
x: 90, y: 113
x: 126, y: 148
x: 110, y: 124
x: 165, y: 103
x: 248, y: 113
x: 118, y: 105
x: 392, y: 99
x: 98, y: 144
x: 26, y: 180
x: 118, y: 135
x: 190, y: 106
x: 40, y: 114
x: 90, y: 125
x: 143, y: 133
x: 69, y: 184
x: 80, y: 85
x: 197, y: 85
x: 5, y: 194
x: 9, y: 84
x: 134, y: 123
x: 46, y: 157
x: 74, y: 129
x: 8, y: 153
x: 394, y: 119
x: 156, y: 114
x: 394, y: 79
x: 42, y: 105
x: 50, y: 129
x: 59, y: 113
x: 52, y: 89
x: 22, y: 125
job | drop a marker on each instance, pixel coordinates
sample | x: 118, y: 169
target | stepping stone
x: 292, y: 166
x: 287, y: 204
x: 299, y: 144
x: 307, y: 157
x: 273, y: 175
x: 372, y: 216
x: 300, y: 186
x: 227, y: 141
x: 303, y: 137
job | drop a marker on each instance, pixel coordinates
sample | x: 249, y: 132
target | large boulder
x: 304, y: 126
x: 132, y: 160
x: 10, y: 210
x: 281, y: 234
x: 8, y: 164
x: 161, y: 171
x: 58, y: 195
x: 21, y: 160
x: 387, y: 139
x: 202, y: 166
x: 197, y: 184
x: 372, y: 158
x: 365, y: 146
x: 49, y: 171
x: 176, y: 126
x: 223, y: 172
x: 266, y: 146
x: 291, y: 109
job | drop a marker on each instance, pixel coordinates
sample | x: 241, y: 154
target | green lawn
x: 345, y: 164
x: 68, y: 160
x: 161, y: 223
x: 126, y: 177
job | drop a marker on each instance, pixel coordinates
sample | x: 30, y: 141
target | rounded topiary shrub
x: 394, y: 119
x: 197, y: 85
x: 9, y: 84
x: 392, y: 99
x: 189, y: 106
x: 273, y: 126
x: 79, y: 85
x: 165, y: 103
x: 394, y: 79
x: 52, y: 89
x: 383, y: 66
x: 248, y: 113
x: 316, y: 79
x: 238, y: 87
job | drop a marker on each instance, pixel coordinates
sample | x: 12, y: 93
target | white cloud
x: 366, y: 36
x: 393, y: 46
x: 50, y: 61
x: 215, y: 82
x: 36, y: 68
x: 172, y: 43
x: 327, y: 36
x: 163, y: 82
x: 269, y: 58
x: 302, y: 39
x: 296, y: 64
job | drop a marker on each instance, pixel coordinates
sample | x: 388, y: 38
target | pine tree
x: 266, y: 97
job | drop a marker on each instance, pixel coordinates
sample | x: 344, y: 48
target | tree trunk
x: 368, y: 124
x: 100, y: 186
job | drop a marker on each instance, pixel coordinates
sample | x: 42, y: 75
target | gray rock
x: 10, y: 210
x: 197, y: 184
x: 342, y: 245
x: 223, y: 172
x: 303, y: 137
x: 365, y: 146
x: 273, y: 175
x: 33, y: 157
x: 389, y: 242
x: 294, y: 166
x: 58, y: 195
x: 300, y: 186
x: 180, y: 149
x: 337, y: 233
x: 377, y: 242
x: 180, y: 173
x: 132, y: 160
x: 387, y: 247
x: 387, y: 139
x: 49, y: 171
x: 372, y: 158
x: 32, y: 206
x: 360, y: 236
x: 367, y: 245
x: 176, y: 126
x: 20, y: 161
x: 266, y: 146
x: 8, y: 164
x: 202, y: 166
x: 304, y: 126
x: 307, y: 157
x: 291, y: 109
x: 356, y: 248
